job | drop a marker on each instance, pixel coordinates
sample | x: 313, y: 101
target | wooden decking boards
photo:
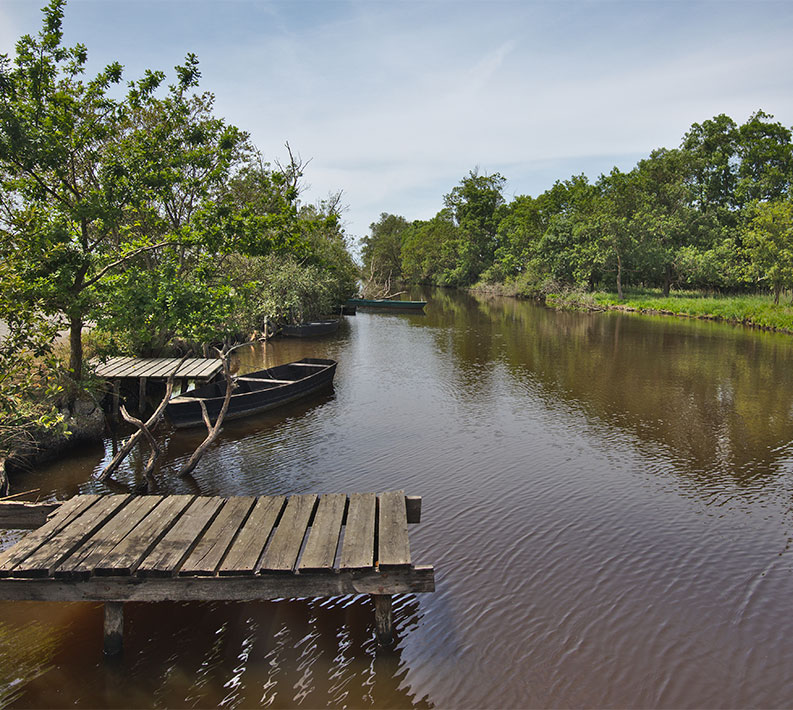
x: 121, y: 548
x: 158, y: 368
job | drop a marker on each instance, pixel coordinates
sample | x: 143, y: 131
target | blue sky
x: 394, y: 102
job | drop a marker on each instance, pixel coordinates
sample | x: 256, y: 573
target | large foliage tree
x: 92, y: 178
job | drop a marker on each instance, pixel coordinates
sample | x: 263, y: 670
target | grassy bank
x: 754, y: 310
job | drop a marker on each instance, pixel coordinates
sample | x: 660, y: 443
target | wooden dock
x: 158, y: 368
x: 120, y: 548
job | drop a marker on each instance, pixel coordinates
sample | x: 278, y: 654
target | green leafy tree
x: 476, y: 207
x: 766, y: 168
x: 769, y: 243
x: 429, y: 250
x: 92, y: 182
x: 381, y: 250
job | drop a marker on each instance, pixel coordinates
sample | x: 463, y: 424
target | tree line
x: 714, y: 214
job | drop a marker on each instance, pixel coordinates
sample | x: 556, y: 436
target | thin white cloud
x: 395, y: 102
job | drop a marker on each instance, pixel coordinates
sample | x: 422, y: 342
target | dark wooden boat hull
x: 254, y: 393
x: 383, y: 304
x: 311, y: 330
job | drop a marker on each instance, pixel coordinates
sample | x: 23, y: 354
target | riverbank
x: 757, y: 311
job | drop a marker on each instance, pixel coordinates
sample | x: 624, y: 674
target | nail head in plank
x: 282, y: 552
x: 43, y: 561
x: 393, y: 544
x: 247, y: 547
x: 357, y: 549
x: 69, y: 510
x: 323, y: 540
x: 124, y: 558
x: 212, y: 546
x: 173, y: 548
x: 81, y: 563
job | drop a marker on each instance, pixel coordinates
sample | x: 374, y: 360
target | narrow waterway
x: 607, y: 502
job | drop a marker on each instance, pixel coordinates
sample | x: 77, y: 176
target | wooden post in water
x: 142, y: 395
x: 383, y: 619
x: 114, y: 628
x: 116, y: 398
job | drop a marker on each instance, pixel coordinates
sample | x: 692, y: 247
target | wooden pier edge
x: 28, y: 572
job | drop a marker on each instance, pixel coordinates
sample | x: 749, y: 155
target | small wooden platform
x: 121, y: 548
x: 159, y: 368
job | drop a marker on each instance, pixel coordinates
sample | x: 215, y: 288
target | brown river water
x: 608, y: 503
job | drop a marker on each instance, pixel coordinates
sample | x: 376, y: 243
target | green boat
x: 386, y: 304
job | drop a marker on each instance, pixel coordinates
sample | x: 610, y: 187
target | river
x: 608, y: 503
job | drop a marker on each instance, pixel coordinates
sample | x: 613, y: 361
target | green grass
x: 756, y: 310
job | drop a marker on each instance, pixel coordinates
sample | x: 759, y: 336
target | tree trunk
x: 777, y: 292
x: 76, y: 347
x: 667, y: 279
x: 619, y: 277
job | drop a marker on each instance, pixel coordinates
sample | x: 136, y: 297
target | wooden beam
x: 403, y: 580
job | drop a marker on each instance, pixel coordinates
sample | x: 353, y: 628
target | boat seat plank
x: 282, y: 552
x: 323, y: 540
x: 82, y: 562
x: 247, y: 548
x: 43, y: 561
x: 67, y: 512
x: 357, y: 550
x: 124, y: 558
x: 393, y: 544
x: 174, y: 547
x: 212, y: 546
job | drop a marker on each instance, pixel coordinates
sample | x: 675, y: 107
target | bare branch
x: 150, y: 424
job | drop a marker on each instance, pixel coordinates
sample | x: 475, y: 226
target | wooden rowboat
x: 386, y: 304
x: 254, y: 392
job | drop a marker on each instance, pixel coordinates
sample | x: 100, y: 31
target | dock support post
x: 117, y: 399
x: 383, y: 619
x: 114, y: 627
x: 142, y: 395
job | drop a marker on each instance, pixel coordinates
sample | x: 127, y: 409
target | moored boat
x: 254, y: 392
x: 386, y: 304
x: 314, y: 329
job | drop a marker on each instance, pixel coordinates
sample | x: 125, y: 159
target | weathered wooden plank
x: 393, y: 545
x: 81, y: 563
x: 401, y: 580
x: 17, y: 514
x: 209, y: 369
x: 212, y: 546
x: 357, y: 549
x: 282, y: 552
x: 56, y: 549
x: 138, y: 367
x: 69, y: 510
x: 124, y: 558
x: 323, y: 540
x: 164, y: 559
x: 150, y: 367
x: 247, y: 548
x: 113, y: 366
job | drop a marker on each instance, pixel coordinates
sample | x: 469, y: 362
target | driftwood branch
x: 152, y: 421
x: 213, y: 430
x: 156, y: 451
